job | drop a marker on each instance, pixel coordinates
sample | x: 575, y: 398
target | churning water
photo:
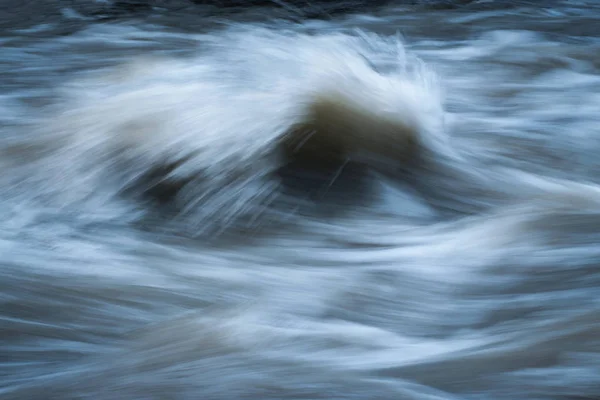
x: 401, y: 203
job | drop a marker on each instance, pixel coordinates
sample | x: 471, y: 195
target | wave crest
x: 209, y: 134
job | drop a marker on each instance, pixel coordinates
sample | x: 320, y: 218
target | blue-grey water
x: 400, y: 202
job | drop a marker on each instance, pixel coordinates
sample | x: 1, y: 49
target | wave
x: 263, y: 125
x: 209, y: 136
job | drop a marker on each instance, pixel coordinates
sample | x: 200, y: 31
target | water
x: 399, y: 203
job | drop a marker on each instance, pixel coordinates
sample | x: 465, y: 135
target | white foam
x: 221, y: 117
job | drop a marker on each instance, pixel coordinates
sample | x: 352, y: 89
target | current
x: 398, y: 201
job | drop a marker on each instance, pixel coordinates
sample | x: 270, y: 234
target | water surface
x: 397, y: 203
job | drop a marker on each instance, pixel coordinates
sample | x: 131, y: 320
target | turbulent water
x: 397, y: 203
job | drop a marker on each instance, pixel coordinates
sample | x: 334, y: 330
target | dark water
x: 397, y: 203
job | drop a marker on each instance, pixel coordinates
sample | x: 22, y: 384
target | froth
x: 216, y: 128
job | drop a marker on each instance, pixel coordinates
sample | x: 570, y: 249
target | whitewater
x: 400, y: 202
